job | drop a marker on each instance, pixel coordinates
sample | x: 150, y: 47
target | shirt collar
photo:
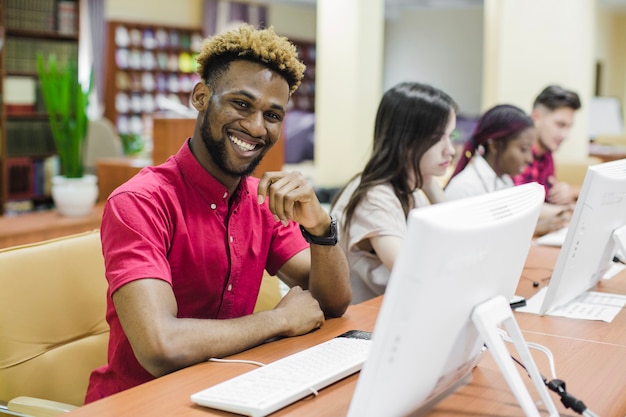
x: 536, y: 155
x: 198, y: 178
x: 485, y: 171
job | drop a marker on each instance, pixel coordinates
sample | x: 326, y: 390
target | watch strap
x: 322, y: 240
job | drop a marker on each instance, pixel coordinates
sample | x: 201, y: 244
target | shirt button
x: 230, y: 287
x: 213, y: 206
x: 231, y: 239
x: 225, y: 194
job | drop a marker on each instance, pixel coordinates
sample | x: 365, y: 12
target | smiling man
x: 186, y: 242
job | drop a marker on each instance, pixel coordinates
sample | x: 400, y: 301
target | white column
x: 532, y: 43
x: 348, y: 86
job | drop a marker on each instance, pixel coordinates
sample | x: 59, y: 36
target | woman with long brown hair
x: 411, y: 147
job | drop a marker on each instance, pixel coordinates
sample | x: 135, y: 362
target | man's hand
x: 321, y: 269
x: 291, y: 197
x: 553, y: 217
x: 560, y: 192
x: 302, y: 312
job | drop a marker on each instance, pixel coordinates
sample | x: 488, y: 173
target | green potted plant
x: 73, y: 192
x: 132, y: 143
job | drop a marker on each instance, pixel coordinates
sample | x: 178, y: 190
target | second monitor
x: 456, y: 256
x: 596, y: 234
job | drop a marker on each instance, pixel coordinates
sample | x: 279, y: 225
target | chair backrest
x: 53, y: 331
x: 269, y: 293
x: 102, y: 142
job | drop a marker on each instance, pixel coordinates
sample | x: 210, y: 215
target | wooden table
x: 590, y: 357
x: 49, y: 224
x: 539, y: 267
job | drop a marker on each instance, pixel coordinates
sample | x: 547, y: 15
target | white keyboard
x: 555, y: 238
x: 268, y: 388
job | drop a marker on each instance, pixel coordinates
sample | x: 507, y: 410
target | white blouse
x: 475, y: 179
x: 378, y: 214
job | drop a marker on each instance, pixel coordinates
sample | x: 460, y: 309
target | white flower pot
x: 74, y: 197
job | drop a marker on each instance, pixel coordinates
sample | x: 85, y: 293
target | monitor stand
x: 488, y: 317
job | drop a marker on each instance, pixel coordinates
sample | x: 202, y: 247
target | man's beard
x: 217, y: 150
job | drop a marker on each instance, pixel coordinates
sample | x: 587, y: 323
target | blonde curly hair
x: 257, y: 45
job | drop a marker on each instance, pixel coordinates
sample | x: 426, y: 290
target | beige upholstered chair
x: 53, y: 331
x: 573, y: 172
x: 269, y: 295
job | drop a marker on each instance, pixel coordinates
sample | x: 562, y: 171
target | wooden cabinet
x: 113, y: 172
x: 150, y: 68
x: 27, y: 161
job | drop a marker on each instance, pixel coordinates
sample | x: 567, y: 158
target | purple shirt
x: 173, y: 222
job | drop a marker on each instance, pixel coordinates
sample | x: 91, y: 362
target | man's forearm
x: 329, y: 279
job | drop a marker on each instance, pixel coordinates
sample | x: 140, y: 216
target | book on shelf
x: 51, y: 167
x: 67, y: 17
x: 26, y: 137
x: 31, y: 177
x: 19, y: 94
x: 20, y: 173
x: 38, y: 177
x: 30, y: 14
x: 21, y: 53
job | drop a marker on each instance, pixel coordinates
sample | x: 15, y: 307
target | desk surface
x: 607, y: 152
x: 538, y: 268
x: 590, y: 357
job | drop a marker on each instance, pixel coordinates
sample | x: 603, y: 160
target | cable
x: 532, y: 345
x: 237, y: 361
x: 618, y: 260
x: 536, y: 281
x: 568, y: 400
x: 556, y: 385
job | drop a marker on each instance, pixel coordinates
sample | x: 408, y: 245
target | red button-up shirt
x: 177, y: 223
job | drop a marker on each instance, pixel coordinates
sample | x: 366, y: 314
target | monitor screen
x: 456, y: 255
x: 590, y: 245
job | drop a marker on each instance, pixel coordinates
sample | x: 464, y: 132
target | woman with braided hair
x: 499, y: 148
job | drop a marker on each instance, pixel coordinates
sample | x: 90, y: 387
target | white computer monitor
x: 592, y: 238
x: 456, y: 256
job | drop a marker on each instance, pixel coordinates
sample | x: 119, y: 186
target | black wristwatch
x: 322, y: 240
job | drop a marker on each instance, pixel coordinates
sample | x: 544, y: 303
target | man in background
x: 553, y: 114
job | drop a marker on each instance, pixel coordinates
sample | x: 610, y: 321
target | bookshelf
x: 27, y: 150
x: 150, y: 68
x: 304, y: 97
